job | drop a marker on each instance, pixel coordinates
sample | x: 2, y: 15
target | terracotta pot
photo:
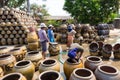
x: 35, y: 57
x: 25, y: 67
x: 107, y: 72
x: 18, y: 53
x: 69, y: 66
x: 106, y: 51
x: 7, y: 62
x: 50, y: 75
x: 92, y: 62
x: 13, y: 76
x: 49, y: 64
x: 54, y: 49
x: 1, y: 72
x: 94, y: 48
x: 100, y: 43
x: 82, y: 74
x: 33, y: 45
x: 32, y: 37
x: 116, y: 51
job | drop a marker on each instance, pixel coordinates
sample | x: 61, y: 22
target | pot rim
x: 100, y: 60
x: 59, y: 75
x: 74, y: 63
x: 12, y: 74
x: 107, y: 72
x: 22, y: 65
x: 81, y: 76
x: 28, y: 53
x: 8, y: 56
x: 49, y: 64
x: 15, y: 49
x: 104, y: 48
x: 2, y: 48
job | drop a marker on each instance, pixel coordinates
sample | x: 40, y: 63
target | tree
x: 92, y: 11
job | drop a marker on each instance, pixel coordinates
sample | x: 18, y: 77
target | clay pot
x: 17, y: 28
x: 49, y: 64
x: 25, y: 67
x: 93, y: 48
x: 3, y: 41
x: 14, y: 32
x: 7, y: 62
x: 3, y: 50
x: 1, y: 72
x: 116, y: 51
x: 11, y: 36
x: 106, y: 51
x: 85, y: 35
x: 15, y: 41
x: 106, y: 72
x: 69, y: 66
x: 6, y: 36
x: 17, y: 35
x: 13, y: 76
x: 100, y: 43
x: 1, y: 11
x: 21, y: 41
x: 33, y: 45
x: 8, y: 32
x: 50, y: 75
x: 54, y: 49
x: 9, y: 41
x: 82, y: 74
x: 18, y: 53
x: 35, y: 57
x: 92, y: 62
x: 32, y: 37
x: 22, y: 47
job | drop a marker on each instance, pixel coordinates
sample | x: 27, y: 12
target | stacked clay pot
x: 7, y: 62
x: 25, y: 67
x: 116, y: 51
x: 100, y: 43
x: 13, y: 76
x: 82, y: 74
x: 107, y: 72
x: 92, y: 62
x: 49, y: 64
x: 35, y: 57
x: 69, y: 66
x: 50, y: 75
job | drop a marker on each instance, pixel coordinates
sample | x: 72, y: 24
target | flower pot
x: 106, y: 51
x: 50, y: 75
x: 82, y: 74
x: 93, y: 48
x: 116, y: 51
x: 25, y: 67
x: 92, y: 62
x: 35, y: 57
x: 33, y: 45
x: 107, y: 72
x: 13, y: 76
x: 49, y: 64
x: 69, y: 66
x: 7, y: 62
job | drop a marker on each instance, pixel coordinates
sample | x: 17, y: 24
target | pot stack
x: 14, y: 26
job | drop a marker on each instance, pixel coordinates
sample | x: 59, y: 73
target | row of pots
x: 100, y: 48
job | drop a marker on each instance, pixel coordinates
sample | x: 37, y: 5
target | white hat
x: 50, y: 25
x: 42, y: 25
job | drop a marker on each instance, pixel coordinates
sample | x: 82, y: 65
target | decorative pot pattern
x: 116, y: 51
x: 92, y: 62
x: 25, y: 67
x: 106, y: 72
x: 35, y: 57
x: 13, y: 76
x: 7, y: 62
x: 82, y: 74
x: 49, y: 64
x: 50, y: 75
x: 69, y: 66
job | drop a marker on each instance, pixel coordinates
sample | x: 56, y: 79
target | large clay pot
x: 32, y: 37
x: 49, y: 64
x: 7, y: 62
x: 1, y: 72
x: 35, y: 57
x: 69, y: 66
x: 50, y: 75
x: 100, y: 43
x: 107, y: 72
x: 94, y: 48
x: 116, y: 51
x: 106, y: 51
x: 3, y: 50
x: 92, y: 62
x: 54, y: 49
x: 17, y: 52
x: 13, y: 76
x: 25, y: 67
x: 33, y: 45
x: 82, y: 74
x: 9, y: 41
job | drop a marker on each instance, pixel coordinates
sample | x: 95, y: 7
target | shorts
x: 44, y: 46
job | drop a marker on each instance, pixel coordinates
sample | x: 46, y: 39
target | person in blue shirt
x: 50, y: 33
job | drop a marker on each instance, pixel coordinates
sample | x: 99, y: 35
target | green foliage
x: 54, y: 23
x: 92, y: 11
